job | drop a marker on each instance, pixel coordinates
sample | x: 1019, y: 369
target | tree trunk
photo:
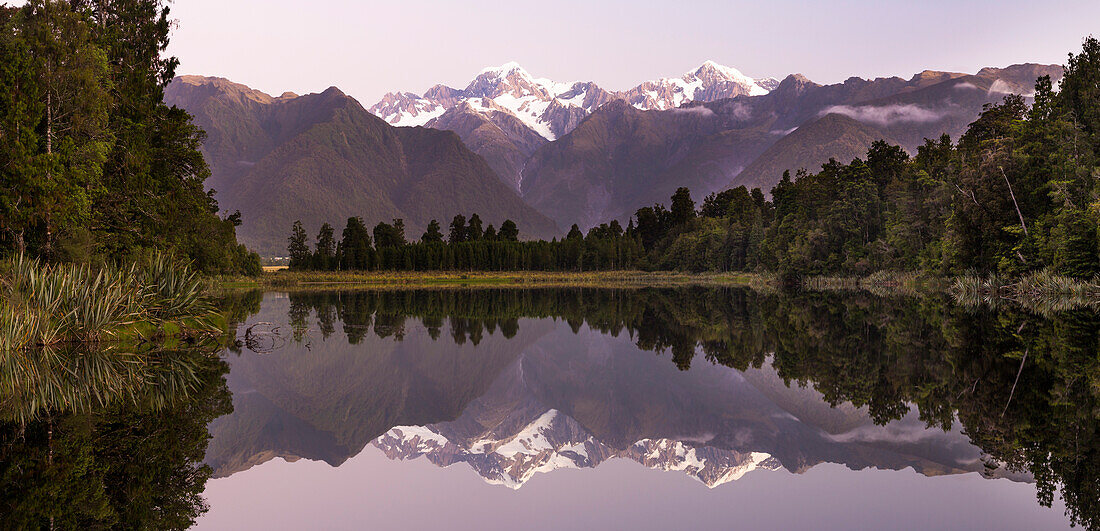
x: 47, y: 249
x: 1014, y: 203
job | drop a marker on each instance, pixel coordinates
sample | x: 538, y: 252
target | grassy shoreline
x: 489, y: 279
x: 1041, y: 291
x: 53, y: 305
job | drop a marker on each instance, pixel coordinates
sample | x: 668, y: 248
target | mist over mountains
x: 548, y: 154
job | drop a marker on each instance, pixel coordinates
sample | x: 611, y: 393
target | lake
x: 603, y: 408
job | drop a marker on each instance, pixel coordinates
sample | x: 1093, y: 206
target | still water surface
x: 652, y: 409
x: 568, y: 408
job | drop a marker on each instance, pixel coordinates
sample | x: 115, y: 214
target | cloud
x: 1001, y: 87
x: 783, y: 132
x: 887, y: 114
x: 965, y: 85
x: 698, y: 109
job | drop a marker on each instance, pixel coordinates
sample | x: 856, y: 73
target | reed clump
x: 1042, y: 291
x: 43, y: 305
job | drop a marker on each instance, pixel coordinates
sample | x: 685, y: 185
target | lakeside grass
x: 512, y: 279
x: 50, y: 305
x: 1040, y: 291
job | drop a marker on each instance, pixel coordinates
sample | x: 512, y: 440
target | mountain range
x: 549, y: 154
x: 323, y: 158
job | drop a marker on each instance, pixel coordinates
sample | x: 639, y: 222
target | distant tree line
x: 93, y: 164
x: 1018, y: 192
x: 468, y: 245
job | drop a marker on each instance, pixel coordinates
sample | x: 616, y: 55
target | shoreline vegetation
x: 160, y: 302
x: 490, y: 279
x: 1042, y: 290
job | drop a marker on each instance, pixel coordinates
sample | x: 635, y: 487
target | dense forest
x: 1018, y: 192
x: 93, y: 164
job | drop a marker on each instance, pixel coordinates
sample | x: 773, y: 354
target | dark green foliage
x: 432, y: 235
x: 606, y: 247
x: 297, y: 247
x: 386, y: 235
x: 354, y: 251
x: 121, y: 466
x: 683, y: 208
x: 324, y: 258
x: 509, y: 232
x: 97, y: 165
x: 458, y: 229
x: 473, y: 229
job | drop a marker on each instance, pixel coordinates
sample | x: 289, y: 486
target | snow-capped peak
x: 711, y: 68
x: 552, y: 108
x: 505, y: 69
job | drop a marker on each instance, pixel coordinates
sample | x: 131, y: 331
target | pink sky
x: 368, y: 48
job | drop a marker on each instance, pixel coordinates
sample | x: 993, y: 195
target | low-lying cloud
x: 699, y: 110
x: 965, y: 85
x: 887, y: 114
x: 1001, y: 87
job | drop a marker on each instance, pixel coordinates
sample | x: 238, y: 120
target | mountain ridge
x: 267, y: 154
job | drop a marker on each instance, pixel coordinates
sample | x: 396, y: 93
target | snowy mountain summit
x: 551, y: 108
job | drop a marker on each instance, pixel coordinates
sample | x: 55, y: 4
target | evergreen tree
x: 324, y: 256
x: 386, y: 235
x: 355, y: 251
x: 298, y: 248
x: 458, y: 229
x: 433, y: 234
x: 683, y: 207
x: 473, y: 229
x: 73, y: 83
x: 399, y: 231
x: 20, y: 112
x: 509, y: 232
x: 490, y: 234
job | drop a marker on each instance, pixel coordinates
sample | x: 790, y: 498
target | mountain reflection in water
x: 714, y: 383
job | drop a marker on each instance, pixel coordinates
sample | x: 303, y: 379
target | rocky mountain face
x: 833, y: 136
x: 494, y: 133
x: 323, y: 158
x: 621, y: 158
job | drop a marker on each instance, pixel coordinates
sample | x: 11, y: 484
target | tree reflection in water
x: 1023, y: 386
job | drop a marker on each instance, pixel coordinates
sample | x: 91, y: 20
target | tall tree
x: 433, y: 234
x: 458, y: 229
x: 20, y: 115
x: 298, y: 247
x: 473, y: 229
x: 683, y: 207
x: 324, y: 256
x: 72, y: 80
x: 509, y: 232
x: 355, y: 251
